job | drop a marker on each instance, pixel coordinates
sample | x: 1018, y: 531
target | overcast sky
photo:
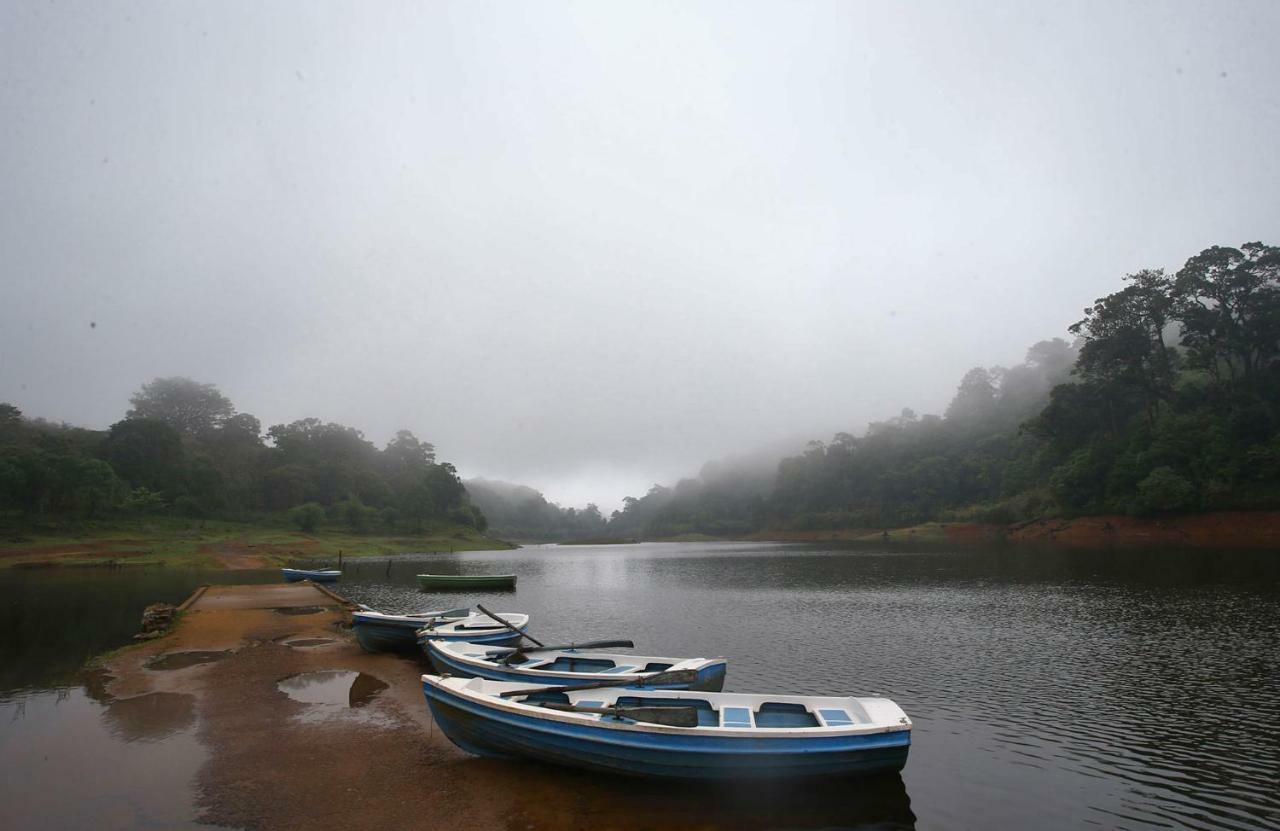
x: 589, y: 246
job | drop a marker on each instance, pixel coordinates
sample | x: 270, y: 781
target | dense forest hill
x: 182, y: 449
x: 1167, y: 401
x: 519, y: 512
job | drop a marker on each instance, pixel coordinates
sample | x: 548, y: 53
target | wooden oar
x: 673, y: 676
x: 670, y: 716
x: 512, y: 654
x: 508, y: 625
x: 441, y: 615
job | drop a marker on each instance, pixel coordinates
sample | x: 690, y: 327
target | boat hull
x: 293, y: 575
x: 488, y: 731
x: 449, y: 582
x: 385, y: 637
x: 710, y: 678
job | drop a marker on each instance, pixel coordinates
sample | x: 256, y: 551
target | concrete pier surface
x: 302, y: 729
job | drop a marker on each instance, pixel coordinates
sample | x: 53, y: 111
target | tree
x: 187, y: 406
x: 975, y: 399
x: 145, y: 453
x: 1228, y: 301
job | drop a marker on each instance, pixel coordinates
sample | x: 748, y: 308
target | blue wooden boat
x: 379, y: 632
x: 737, y: 736
x: 476, y: 628
x: 566, y: 666
x: 324, y: 575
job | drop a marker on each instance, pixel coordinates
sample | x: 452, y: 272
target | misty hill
x: 1168, y: 401
x: 519, y: 512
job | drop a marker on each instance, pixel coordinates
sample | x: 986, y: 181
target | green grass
x: 197, y: 543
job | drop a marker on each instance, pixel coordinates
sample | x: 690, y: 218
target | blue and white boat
x: 475, y: 628
x: 737, y: 736
x: 379, y: 632
x: 567, y: 666
x: 324, y: 575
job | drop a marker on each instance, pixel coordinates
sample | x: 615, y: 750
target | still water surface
x: 1049, y: 689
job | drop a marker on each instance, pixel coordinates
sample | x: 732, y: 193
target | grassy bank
x: 218, y: 544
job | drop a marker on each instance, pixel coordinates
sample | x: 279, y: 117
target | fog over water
x: 589, y: 246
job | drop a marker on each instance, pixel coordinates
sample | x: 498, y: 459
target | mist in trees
x: 1167, y: 400
x: 182, y: 449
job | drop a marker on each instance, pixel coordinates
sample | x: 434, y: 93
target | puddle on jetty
x: 298, y: 610
x: 333, y: 692
x: 304, y: 642
x: 182, y: 660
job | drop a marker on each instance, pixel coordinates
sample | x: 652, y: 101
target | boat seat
x: 620, y: 668
x: 780, y: 714
x: 735, y: 717
x: 836, y: 718
x: 574, y: 664
x: 656, y: 666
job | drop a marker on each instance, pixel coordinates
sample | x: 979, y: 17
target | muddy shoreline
x: 275, y: 762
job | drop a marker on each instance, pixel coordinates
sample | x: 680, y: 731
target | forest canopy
x: 183, y: 449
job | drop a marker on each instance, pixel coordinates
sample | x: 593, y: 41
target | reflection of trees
x: 150, y: 717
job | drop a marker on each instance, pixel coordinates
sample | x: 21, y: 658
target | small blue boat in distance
x: 324, y: 575
x: 566, y: 666
x: 672, y: 733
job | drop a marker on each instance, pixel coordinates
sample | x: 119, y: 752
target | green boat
x: 435, y: 582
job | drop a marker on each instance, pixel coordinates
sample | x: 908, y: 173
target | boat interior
x: 764, y: 715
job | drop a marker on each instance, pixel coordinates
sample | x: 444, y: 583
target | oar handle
x: 508, y: 625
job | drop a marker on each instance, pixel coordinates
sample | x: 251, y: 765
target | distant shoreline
x: 1216, y: 529
x: 222, y: 545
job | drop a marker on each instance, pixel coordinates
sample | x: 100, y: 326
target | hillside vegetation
x: 1166, y: 401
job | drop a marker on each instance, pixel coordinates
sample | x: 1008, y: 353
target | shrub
x: 1163, y: 490
x: 307, y: 517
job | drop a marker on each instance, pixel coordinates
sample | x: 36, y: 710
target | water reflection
x: 71, y: 762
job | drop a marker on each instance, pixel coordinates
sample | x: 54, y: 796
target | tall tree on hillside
x: 975, y: 399
x: 1123, y: 353
x: 1229, y: 306
x: 187, y: 406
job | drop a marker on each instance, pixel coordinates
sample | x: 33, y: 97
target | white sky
x: 589, y: 246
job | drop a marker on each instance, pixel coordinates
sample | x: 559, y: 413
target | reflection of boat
x: 436, y: 582
x: 734, y: 735
x: 324, y: 575
x: 477, y: 628
x: 566, y: 666
x: 378, y: 632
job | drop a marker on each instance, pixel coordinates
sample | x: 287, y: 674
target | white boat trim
x: 473, y: 655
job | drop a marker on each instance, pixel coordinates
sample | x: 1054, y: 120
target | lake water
x: 1049, y: 688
